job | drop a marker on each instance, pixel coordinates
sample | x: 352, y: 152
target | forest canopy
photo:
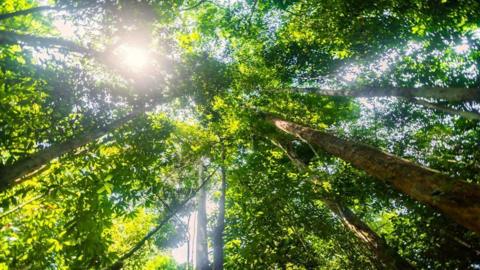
x: 239, y: 134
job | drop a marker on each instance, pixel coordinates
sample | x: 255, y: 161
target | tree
x: 201, y: 259
x: 386, y: 256
x: 108, y: 106
x: 455, y: 198
x: 26, y: 12
x: 450, y: 94
x: 8, y: 38
x: 15, y: 173
x: 218, y: 243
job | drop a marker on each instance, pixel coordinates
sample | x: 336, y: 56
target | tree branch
x: 194, y: 6
x: 446, y: 93
x: 27, y: 12
x: 445, y: 109
x: 171, y: 213
x: 12, y: 174
x: 9, y: 37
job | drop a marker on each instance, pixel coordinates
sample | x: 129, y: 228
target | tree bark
x: 387, y: 257
x: 188, y: 241
x: 201, y: 249
x: 456, y: 198
x: 13, y: 174
x: 450, y: 94
x: 218, y: 236
x: 445, y: 109
x: 26, y: 12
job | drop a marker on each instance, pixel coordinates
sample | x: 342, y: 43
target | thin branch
x: 194, y: 6
x: 445, y: 109
x: 27, y: 12
x: 254, y: 7
x: 446, y: 93
x: 171, y: 213
x: 10, y: 37
x: 20, y: 206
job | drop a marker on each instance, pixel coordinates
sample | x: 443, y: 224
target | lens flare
x: 133, y: 58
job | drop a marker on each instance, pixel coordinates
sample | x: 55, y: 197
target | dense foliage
x: 116, y: 115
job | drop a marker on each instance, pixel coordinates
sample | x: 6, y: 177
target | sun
x: 133, y: 58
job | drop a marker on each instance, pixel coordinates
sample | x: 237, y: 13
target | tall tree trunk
x: 450, y: 94
x: 445, y: 109
x: 13, y: 174
x: 456, y: 198
x: 387, y: 257
x: 218, y: 236
x: 189, y: 237
x: 26, y: 12
x: 201, y: 256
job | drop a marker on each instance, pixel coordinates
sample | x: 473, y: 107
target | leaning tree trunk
x: 218, y: 236
x: 13, y: 174
x: 450, y: 94
x: 201, y: 250
x: 387, y: 257
x: 456, y: 198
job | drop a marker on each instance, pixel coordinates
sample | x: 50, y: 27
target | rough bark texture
x: 13, y: 174
x: 201, y: 250
x: 386, y: 257
x: 456, y: 198
x: 450, y: 94
x: 445, y: 109
x: 218, y: 236
x: 26, y: 12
